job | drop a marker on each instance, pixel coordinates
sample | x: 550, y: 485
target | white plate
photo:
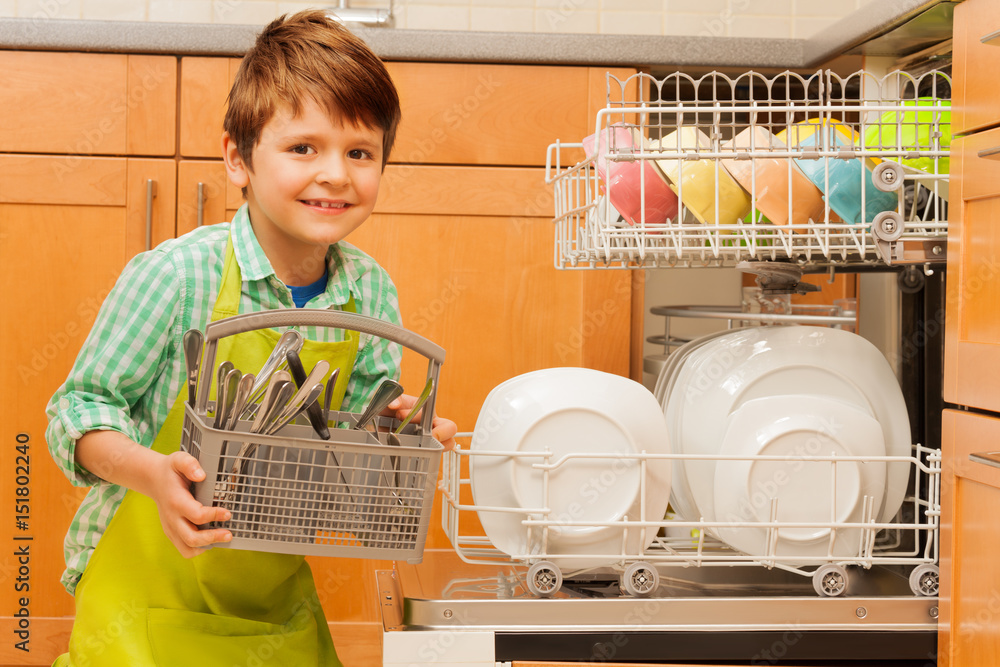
x: 757, y: 362
x: 569, y: 411
x: 681, y: 497
x: 804, y: 491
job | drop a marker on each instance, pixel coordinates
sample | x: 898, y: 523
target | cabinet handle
x: 993, y: 39
x: 150, y: 196
x: 990, y: 153
x: 201, y: 204
x: 986, y: 458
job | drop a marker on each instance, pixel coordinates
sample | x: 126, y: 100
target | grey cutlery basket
x: 295, y: 493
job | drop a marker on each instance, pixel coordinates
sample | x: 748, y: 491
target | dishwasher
x: 875, y: 149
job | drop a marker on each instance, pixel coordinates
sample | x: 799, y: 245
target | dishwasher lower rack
x: 822, y: 170
x: 907, y: 545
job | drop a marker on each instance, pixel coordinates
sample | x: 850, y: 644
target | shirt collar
x: 254, y: 265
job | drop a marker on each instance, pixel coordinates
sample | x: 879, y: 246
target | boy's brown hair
x: 310, y: 54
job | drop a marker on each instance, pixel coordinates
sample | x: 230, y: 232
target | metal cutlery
x: 298, y: 400
x: 294, y: 408
x: 239, y: 401
x: 192, y: 342
x: 313, y: 409
x: 221, y: 387
x: 393, y: 436
x: 290, y: 340
x: 228, y: 386
x: 331, y: 382
x: 384, y: 394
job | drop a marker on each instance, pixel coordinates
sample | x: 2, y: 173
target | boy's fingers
x: 188, y: 466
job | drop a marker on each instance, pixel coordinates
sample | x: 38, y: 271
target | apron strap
x: 227, y: 303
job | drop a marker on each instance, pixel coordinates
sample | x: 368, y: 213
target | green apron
x: 139, y: 602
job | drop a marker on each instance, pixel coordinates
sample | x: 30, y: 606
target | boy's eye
x: 301, y: 149
x: 358, y: 154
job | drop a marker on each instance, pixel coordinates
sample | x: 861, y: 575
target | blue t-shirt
x: 304, y: 294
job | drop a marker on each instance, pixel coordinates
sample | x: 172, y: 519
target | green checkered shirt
x: 131, y: 367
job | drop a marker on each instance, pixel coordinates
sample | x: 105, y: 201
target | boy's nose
x: 333, y: 171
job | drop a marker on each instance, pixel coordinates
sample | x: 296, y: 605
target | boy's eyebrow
x: 310, y: 138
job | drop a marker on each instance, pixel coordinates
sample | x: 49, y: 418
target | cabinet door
x: 975, y: 65
x: 970, y: 572
x: 207, y: 177
x: 972, y: 339
x: 67, y: 227
x: 205, y: 84
x: 88, y: 103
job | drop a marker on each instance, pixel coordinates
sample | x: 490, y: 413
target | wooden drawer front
x: 976, y: 99
x: 972, y: 340
x: 89, y: 104
x: 970, y: 571
x: 492, y: 114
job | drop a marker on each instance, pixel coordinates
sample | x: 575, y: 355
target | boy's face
x: 314, y: 181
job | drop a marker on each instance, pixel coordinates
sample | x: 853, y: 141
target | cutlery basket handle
x: 332, y: 319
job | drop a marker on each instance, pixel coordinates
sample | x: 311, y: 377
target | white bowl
x: 578, y: 431
x: 798, y: 489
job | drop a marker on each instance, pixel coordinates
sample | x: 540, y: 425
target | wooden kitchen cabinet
x: 970, y: 491
x: 970, y: 581
x: 972, y: 344
x: 88, y: 103
x: 974, y: 67
x: 68, y: 225
x: 204, y: 86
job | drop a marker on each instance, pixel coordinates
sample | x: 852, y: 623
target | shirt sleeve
x: 123, y: 355
x: 377, y: 358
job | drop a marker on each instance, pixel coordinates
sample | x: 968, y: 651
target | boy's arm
x: 105, y: 416
x: 114, y: 457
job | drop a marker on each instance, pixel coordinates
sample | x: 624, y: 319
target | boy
x: 311, y: 120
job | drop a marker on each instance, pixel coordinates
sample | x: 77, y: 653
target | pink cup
x: 632, y: 186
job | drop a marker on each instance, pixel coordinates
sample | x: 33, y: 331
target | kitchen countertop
x: 867, y: 23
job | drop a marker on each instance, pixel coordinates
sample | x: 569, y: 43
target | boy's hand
x: 442, y: 429
x: 180, y: 513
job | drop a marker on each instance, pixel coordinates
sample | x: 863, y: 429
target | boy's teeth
x: 324, y: 204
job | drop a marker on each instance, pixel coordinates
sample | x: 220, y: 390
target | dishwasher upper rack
x: 897, y: 126
x: 910, y: 540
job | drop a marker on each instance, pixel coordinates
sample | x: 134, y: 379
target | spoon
x: 239, y: 401
x: 192, y: 342
x: 221, y: 392
x: 393, y: 436
x: 385, y: 394
x: 229, y: 390
x: 290, y: 340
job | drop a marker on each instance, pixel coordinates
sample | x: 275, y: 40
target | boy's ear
x: 236, y: 169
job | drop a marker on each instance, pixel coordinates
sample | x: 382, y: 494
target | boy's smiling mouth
x: 324, y: 204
